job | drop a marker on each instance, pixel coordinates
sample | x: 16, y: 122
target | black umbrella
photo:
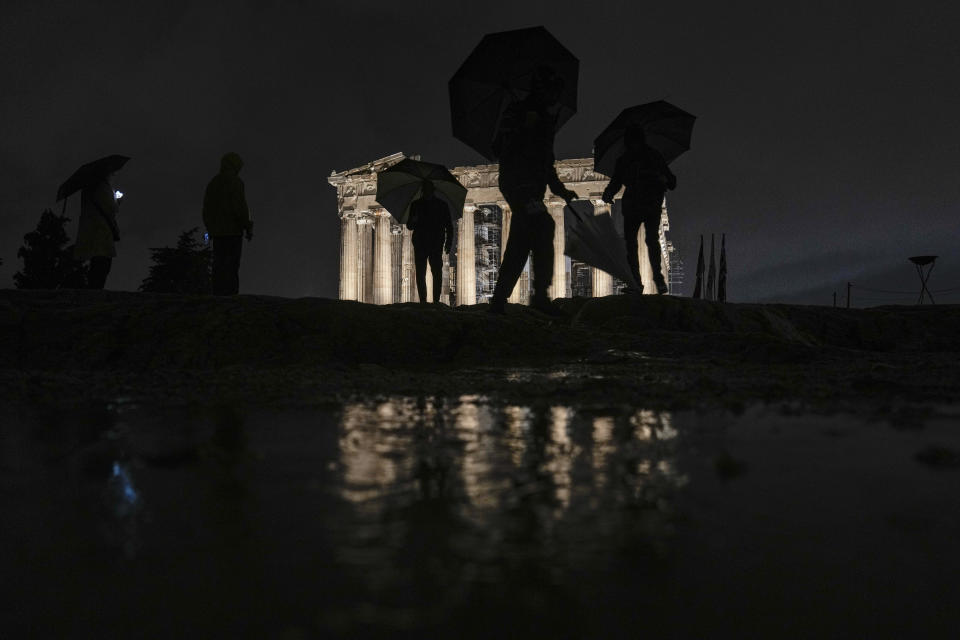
x: 401, y: 184
x: 90, y: 174
x: 667, y: 128
x: 500, y: 71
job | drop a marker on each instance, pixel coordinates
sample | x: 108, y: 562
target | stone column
x: 364, y: 259
x: 382, y: 260
x: 516, y: 295
x: 408, y: 290
x: 348, y: 258
x: 396, y: 260
x: 558, y: 288
x: 602, y: 281
x: 466, y: 259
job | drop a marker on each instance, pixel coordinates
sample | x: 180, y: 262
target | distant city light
x: 206, y: 237
x: 117, y: 194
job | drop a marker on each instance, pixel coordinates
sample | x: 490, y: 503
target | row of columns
x: 368, y: 251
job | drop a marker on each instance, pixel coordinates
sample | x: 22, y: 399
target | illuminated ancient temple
x: 376, y: 252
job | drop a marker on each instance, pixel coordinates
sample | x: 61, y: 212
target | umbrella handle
x: 63, y: 210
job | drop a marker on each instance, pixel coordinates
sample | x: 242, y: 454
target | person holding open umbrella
x: 98, y: 231
x: 432, y: 237
x: 634, y: 150
x: 507, y: 100
x: 646, y: 176
x: 525, y: 148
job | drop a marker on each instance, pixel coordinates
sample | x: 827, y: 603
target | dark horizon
x: 825, y: 146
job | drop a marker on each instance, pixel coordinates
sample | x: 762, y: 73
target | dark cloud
x: 826, y: 144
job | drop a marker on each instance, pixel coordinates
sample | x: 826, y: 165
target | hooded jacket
x: 525, y: 149
x: 225, y: 210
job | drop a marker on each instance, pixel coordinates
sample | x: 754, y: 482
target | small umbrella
x: 698, y: 288
x: 90, y: 174
x: 668, y: 130
x: 594, y: 239
x: 401, y: 184
x: 500, y: 71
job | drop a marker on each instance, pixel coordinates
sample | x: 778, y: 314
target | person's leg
x: 420, y: 262
x: 236, y: 248
x: 436, y: 267
x: 631, y: 227
x: 219, y: 268
x: 542, y: 239
x: 97, y: 274
x: 514, y: 259
x: 651, y: 226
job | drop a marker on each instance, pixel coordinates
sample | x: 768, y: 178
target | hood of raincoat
x: 231, y: 163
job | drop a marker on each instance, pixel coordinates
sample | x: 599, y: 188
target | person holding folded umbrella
x: 432, y: 237
x: 525, y: 149
x: 507, y: 100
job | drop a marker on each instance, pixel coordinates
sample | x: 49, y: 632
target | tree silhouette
x: 48, y: 262
x: 183, y: 269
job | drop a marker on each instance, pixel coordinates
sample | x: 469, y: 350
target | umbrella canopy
x: 90, y: 174
x: 594, y: 239
x: 667, y: 128
x: 500, y: 71
x: 401, y: 184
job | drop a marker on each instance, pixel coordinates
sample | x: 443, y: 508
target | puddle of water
x: 470, y: 518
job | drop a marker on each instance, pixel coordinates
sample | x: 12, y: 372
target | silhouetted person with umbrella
x: 227, y: 219
x: 98, y: 230
x: 524, y: 146
x: 646, y: 176
x: 432, y: 236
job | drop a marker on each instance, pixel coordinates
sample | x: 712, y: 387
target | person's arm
x: 616, y: 183
x: 671, y: 179
x: 553, y: 180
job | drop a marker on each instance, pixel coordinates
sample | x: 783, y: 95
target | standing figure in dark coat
x: 646, y: 177
x: 227, y: 219
x: 98, y: 231
x: 525, y: 149
x: 432, y: 236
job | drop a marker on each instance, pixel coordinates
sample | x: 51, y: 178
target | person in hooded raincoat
x: 524, y: 146
x: 432, y: 237
x: 646, y: 177
x: 227, y: 219
x: 98, y: 231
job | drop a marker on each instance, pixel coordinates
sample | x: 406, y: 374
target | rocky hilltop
x: 69, y: 345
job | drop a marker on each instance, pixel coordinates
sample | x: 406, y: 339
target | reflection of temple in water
x: 376, y: 254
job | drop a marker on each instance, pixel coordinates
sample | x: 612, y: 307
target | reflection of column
x: 348, y: 258
x: 602, y: 281
x: 364, y: 260
x: 466, y: 259
x: 408, y: 288
x: 558, y: 288
x: 382, y: 260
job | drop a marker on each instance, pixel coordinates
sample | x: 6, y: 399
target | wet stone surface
x: 477, y: 516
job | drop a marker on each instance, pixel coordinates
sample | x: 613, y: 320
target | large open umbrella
x: 399, y: 185
x: 500, y: 71
x: 668, y: 130
x: 594, y: 240
x: 90, y: 174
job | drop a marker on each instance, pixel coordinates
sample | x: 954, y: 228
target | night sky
x: 827, y: 144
